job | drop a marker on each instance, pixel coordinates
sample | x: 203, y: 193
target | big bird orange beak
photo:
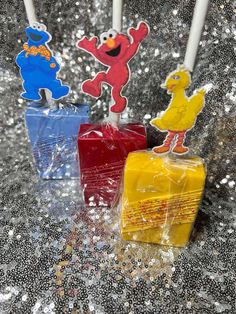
x: 110, y: 43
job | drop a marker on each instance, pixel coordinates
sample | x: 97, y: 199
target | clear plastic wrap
x: 53, y: 136
x: 161, y: 196
x: 103, y: 149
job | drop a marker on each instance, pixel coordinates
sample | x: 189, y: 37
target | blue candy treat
x: 38, y: 67
x: 53, y: 135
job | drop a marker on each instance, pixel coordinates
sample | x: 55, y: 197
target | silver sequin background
x: 57, y: 256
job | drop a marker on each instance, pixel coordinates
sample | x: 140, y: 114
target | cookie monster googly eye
x: 43, y: 27
x: 35, y: 25
x: 39, y: 27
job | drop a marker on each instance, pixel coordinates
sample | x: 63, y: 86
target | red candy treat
x: 115, y: 51
x: 103, y: 150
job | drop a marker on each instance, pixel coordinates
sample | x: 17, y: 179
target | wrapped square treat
x: 103, y: 150
x: 53, y: 135
x: 162, y: 188
x: 104, y: 147
x: 161, y: 197
x: 52, y: 130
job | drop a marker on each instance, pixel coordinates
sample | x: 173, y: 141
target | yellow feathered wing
x: 181, y: 118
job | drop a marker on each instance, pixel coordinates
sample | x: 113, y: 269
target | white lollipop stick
x: 117, y: 5
x: 198, y: 21
x: 30, y: 11
x: 117, y: 14
x: 51, y: 102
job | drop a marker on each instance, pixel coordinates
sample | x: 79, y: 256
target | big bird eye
x: 112, y: 33
x: 175, y: 77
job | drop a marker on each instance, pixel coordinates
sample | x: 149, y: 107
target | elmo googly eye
x: 112, y: 33
x: 103, y: 37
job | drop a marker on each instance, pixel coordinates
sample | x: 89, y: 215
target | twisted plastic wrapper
x: 161, y: 197
x: 103, y: 149
x: 53, y: 135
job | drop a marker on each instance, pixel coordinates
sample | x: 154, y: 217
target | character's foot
x: 161, y: 149
x: 180, y: 149
x: 60, y: 92
x: 31, y: 96
x: 92, y: 89
x: 119, y: 106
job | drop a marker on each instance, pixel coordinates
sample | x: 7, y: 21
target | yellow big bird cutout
x: 181, y: 114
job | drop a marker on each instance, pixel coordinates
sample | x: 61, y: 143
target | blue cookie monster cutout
x: 38, y: 67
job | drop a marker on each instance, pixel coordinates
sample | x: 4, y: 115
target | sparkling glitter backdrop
x: 57, y: 256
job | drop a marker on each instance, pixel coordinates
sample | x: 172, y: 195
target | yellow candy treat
x: 161, y: 197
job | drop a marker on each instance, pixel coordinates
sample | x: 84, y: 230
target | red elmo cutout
x: 115, y: 51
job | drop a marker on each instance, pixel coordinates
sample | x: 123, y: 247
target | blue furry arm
x: 50, y: 66
x: 22, y: 61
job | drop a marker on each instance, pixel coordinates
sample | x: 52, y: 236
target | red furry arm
x: 137, y: 34
x: 89, y: 45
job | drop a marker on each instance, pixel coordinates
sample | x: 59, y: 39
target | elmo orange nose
x: 110, y: 43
